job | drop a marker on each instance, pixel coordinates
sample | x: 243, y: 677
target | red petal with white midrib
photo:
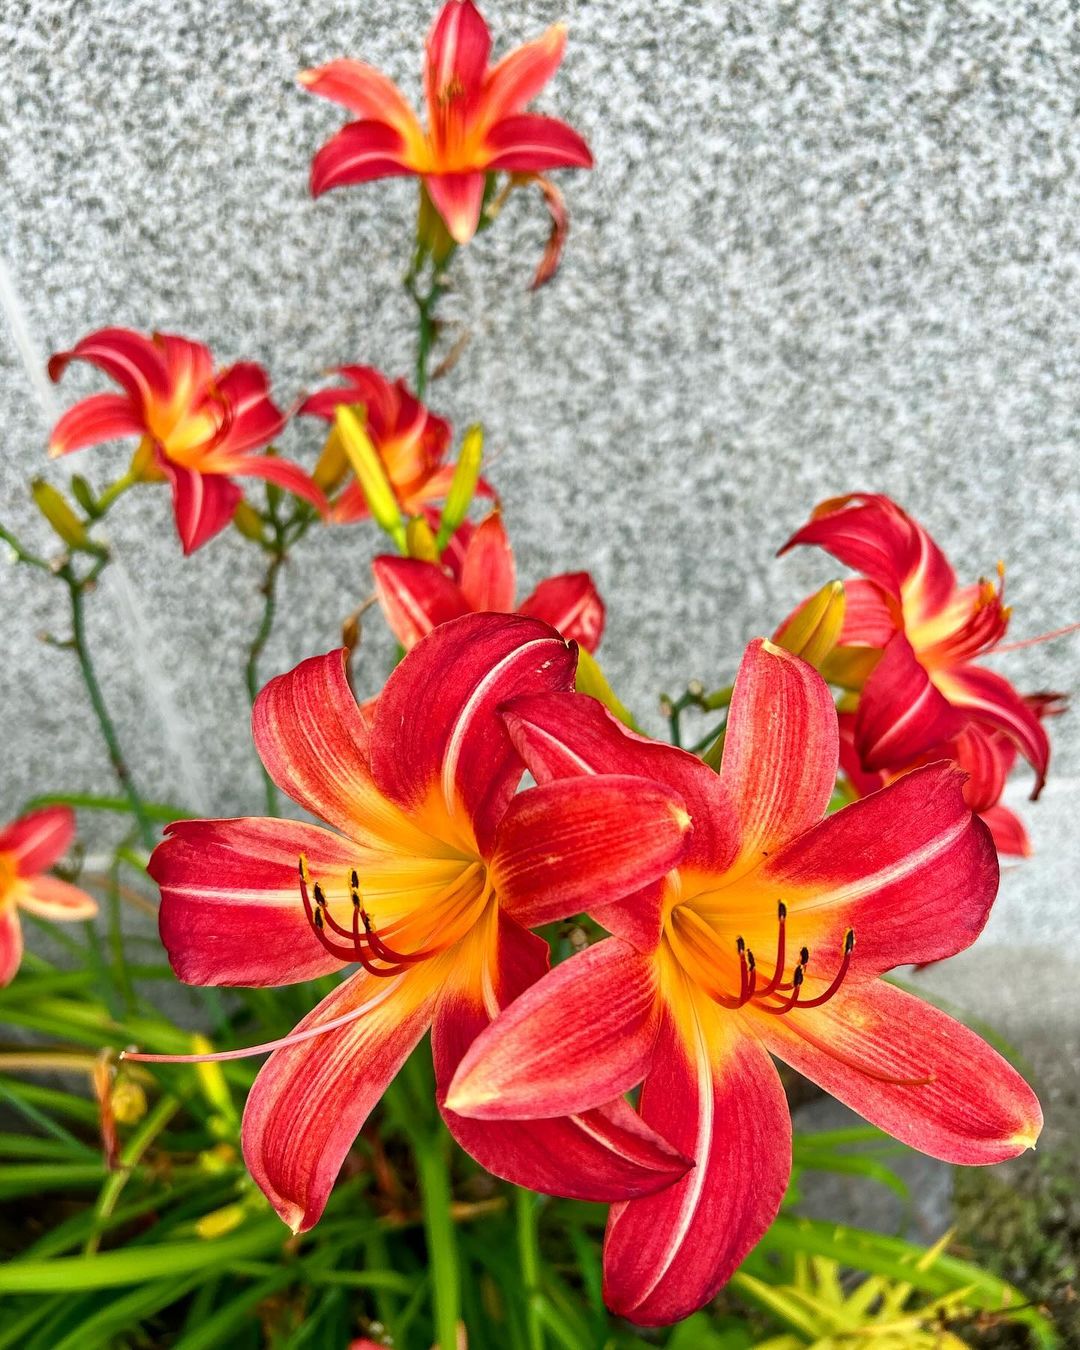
x: 714, y: 1093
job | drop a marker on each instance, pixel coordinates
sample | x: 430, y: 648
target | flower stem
x: 278, y: 559
x: 529, y: 1259
x: 76, y: 591
x: 433, y: 1168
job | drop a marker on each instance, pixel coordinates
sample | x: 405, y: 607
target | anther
x: 839, y: 977
x: 804, y: 955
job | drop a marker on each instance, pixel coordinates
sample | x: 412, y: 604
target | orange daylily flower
x: 29, y: 846
x: 477, y: 122
x: 911, y: 638
x: 198, y: 426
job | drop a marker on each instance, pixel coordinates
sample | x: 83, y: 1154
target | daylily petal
x: 530, y: 143
x: 457, y: 197
x: 987, y: 756
x: 578, y: 1038
x: 714, y: 1093
x: 358, y: 153
x: 434, y: 489
x: 285, y: 474
x: 991, y: 697
x: 870, y: 616
x: 458, y: 47
x: 39, y: 838
x: 310, y: 1099
x: 437, y: 733
x: 488, y: 575
x: 564, y: 735
x: 901, y: 715
x: 314, y: 742
x: 255, y: 418
x: 415, y: 597
x: 203, y: 503
x: 51, y: 898
x: 190, y: 365
x: 781, y: 750
x: 231, y: 911
x: 365, y: 91
x: 101, y: 417
x: 11, y: 943
x: 569, y: 845
x: 909, y: 869
x: 571, y: 603
x: 605, y: 1154
x: 515, y: 81
x: 872, y: 535
x: 129, y: 358
x: 863, y: 781
x: 911, y: 1070
x: 1008, y: 832
x: 557, y: 234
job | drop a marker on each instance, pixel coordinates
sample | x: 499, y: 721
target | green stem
x: 115, y: 490
x: 22, y: 554
x: 130, y: 1157
x: 262, y: 636
x: 529, y: 1258
x: 434, y: 1174
x: 76, y: 590
x: 426, y: 303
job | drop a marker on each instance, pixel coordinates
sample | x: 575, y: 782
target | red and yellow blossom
x: 767, y: 939
x: 197, y: 426
x: 477, y: 123
x: 417, y: 596
x: 983, y: 752
x: 428, y: 879
x: 911, y: 636
x: 412, y: 443
x: 29, y: 846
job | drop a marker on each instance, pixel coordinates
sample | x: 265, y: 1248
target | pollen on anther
x: 849, y: 941
x: 781, y: 911
x: 804, y: 955
x: 740, y: 945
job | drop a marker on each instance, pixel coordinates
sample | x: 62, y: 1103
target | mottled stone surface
x: 825, y: 247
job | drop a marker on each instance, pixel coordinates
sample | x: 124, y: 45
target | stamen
x: 838, y: 978
x: 792, y: 998
x: 778, y: 969
x: 294, y: 1038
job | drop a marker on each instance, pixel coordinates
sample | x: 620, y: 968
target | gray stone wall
x: 826, y: 246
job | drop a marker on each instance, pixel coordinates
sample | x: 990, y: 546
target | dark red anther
x: 839, y: 977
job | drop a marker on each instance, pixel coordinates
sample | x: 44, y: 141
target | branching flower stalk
x: 75, y: 533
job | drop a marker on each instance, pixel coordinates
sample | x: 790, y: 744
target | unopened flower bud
x: 248, y: 521
x: 58, y: 512
x: 462, y: 486
x: 370, y: 474
x: 814, y: 629
x: 420, y: 540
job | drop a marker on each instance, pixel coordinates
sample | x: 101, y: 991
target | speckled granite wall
x: 826, y: 246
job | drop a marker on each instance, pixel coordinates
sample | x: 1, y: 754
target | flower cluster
x: 907, y: 656
x: 730, y: 914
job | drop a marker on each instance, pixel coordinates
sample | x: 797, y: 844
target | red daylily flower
x: 910, y: 638
x: 412, y: 442
x: 29, y: 846
x: 476, y: 119
x: 429, y: 878
x: 767, y: 939
x: 197, y: 426
x: 417, y: 596
x: 984, y: 753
